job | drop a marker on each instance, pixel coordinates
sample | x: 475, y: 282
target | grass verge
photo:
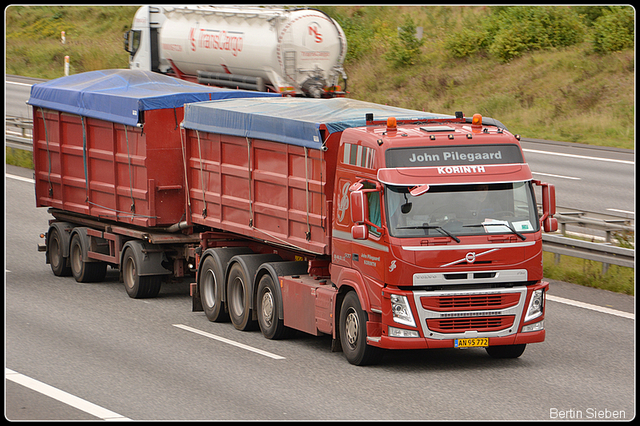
x: 589, y: 273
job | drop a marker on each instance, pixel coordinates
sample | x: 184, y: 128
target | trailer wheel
x: 353, y: 333
x: 212, y: 290
x: 59, y: 263
x: 506, y: 351
x: 238, y: 298
x: 82, y: 271
x: 138, y: 287
x: 269, y: 303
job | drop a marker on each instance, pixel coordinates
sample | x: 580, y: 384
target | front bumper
x: 444, y: 316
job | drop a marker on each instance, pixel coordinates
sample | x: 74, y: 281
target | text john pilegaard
x: 590, y: 413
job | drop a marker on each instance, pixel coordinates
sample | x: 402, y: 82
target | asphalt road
x: 588, y: 178
x: 111, y: 357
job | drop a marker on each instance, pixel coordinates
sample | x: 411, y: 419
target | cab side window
x: 373, y: 199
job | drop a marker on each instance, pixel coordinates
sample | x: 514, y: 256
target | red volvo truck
x: 382, y: 227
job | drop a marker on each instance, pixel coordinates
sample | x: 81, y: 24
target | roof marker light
x: 392, y: 124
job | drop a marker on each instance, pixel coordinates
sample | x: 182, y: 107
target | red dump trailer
x: 107, y: 154
x: 382, y: 227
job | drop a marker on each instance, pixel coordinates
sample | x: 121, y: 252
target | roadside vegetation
x: 546, y: 72
x: 589, y: 273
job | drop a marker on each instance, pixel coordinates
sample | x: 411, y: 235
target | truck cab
x: 141, y: 41
x: 439, y: 222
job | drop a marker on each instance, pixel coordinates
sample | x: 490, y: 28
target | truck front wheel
x: 138, y: 287
x: 353, y: 333
x: 506, y: 351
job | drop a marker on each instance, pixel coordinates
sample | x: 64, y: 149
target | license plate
x: 472, y: 343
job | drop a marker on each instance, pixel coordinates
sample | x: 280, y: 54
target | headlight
x: 402, y: 332
x: 536, y: 305
x: 401, y: 310
x: 536, y: 326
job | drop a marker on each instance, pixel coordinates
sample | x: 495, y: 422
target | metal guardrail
x: 559, y: 245
x: 609, y: 226
x: 20, y: 138
x: 599, y: 252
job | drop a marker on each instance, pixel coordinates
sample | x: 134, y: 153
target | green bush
x: 405, y: 48
x: 359, y: 35
x: 509, y: 31
x: 466, y: 42
x: 614, y: 31
x: 524, y: 28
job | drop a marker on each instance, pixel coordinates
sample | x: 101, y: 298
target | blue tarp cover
x: 290, y: 120
x: 118, y: 95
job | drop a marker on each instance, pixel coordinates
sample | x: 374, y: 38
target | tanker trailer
x: 296, y: 52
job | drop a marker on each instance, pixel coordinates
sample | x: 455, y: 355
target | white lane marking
x: 584, y: 157
x: 23, y: 179
x: 19, y: 84
x: 590, y: 306
x: 229, y: 342
x: 62, y: 396
x: 556, y: 176
x: 622, y: 211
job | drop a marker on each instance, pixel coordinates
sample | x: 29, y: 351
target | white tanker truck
x: 289, y: 51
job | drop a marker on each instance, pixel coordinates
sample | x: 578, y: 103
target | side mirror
x: 126, y: 41
x: 550, y: 224
x: 360, y: 232
x: 359, y: 207
x: 549, y: 199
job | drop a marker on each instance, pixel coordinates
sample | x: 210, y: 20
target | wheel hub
x: 351, y: 327
x: 267, y: 308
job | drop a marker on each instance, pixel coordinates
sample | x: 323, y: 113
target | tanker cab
x: 141, y: 41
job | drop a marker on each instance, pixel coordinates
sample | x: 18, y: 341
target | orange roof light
x: 477, y: 120
x: 392, y: 124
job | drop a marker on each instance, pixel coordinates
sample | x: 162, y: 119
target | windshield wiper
x: 439, y: 228
x: 507, y: 225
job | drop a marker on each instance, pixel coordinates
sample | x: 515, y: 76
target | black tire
x: 238, y: 299
x: 212, y: 290
x: 55, y: 247
x: 353, y: 333
x: 507, y: 351
x: 269, y: 303
x: 138, y: 287
x: 84, y: 272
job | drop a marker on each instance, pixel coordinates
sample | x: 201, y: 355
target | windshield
x: 456, y: 210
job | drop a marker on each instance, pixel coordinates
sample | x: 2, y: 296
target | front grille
x: 460, y: 325
x: 471, y: 302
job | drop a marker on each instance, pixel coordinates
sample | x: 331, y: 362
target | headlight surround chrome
x: 536, y: 305
x: 401, y: 310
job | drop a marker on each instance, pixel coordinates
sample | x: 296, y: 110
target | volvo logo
x: 470, y: 257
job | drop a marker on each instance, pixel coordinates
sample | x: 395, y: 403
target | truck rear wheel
x: 269, y: 304
x: 212, y: 290
x: 506, y: 351
x: 238, y: 298
x: 353, y: 333
x: 82, y: 271
x: 138, y: 287
x: 55, y: 247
